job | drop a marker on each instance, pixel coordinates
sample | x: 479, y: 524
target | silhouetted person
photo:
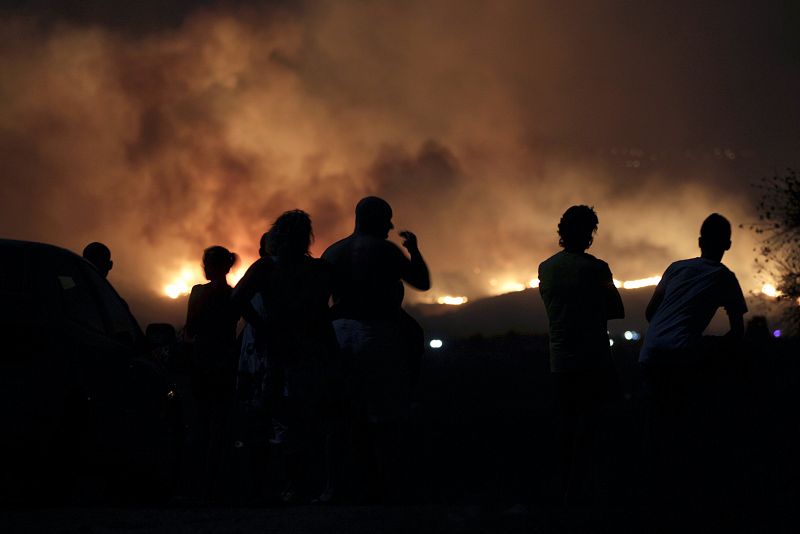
x: 678, y: 362
x: 99, y: 255
x: 375, y: 339
x: 211, y: 324
x: 253, y: 364
x: 580, y: 297
x: 301, y: 346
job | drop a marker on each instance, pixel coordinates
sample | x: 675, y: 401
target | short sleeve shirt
x: 693, y: 290
x: 575, y: 288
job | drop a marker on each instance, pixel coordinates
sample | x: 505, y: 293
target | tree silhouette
x: 779, y: 225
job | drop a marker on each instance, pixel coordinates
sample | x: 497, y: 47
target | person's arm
x: 249, y: 314
x: 193, y: 311
x: 655, y: 302
x: 416, y: 271
x: 736, y: 320
x: 614, y: 307
x: 735, y: 306
x: 247, y: 287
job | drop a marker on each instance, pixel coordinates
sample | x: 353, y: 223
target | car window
x: 79, y: 303
x: 121, y: 324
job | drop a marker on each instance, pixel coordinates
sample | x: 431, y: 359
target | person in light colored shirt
x: 680, y: 367
x: 690, y: 293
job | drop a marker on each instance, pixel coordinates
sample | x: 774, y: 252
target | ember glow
x: 181, y: 284
x: 642, y: 282
x: 770, y: 290
x: 163, y: 136
x: 452, y: 301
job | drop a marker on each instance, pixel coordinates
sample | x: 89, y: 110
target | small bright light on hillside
x: 776, y: 333
x: 436, y: 343
x: 610, y: 342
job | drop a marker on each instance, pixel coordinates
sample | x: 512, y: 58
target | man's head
x: 99, y: 255
x: 577, y: 227
x: 715, y: 237
x: 374, y: 217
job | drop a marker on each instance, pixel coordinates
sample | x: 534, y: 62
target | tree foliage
x: 779, y: 225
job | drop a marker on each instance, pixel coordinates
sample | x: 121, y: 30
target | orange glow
x: 510, y: 286
x: 452, y: 301
x: 642, y: 282
x: 181, y: 284
x: 770, y: 290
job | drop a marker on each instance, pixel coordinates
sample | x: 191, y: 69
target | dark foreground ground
x: 482, y: 458
x: 397, y: 519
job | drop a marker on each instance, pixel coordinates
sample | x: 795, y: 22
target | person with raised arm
x: 374, y: 336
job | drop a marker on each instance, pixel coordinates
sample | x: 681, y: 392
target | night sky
x: 161, y: 131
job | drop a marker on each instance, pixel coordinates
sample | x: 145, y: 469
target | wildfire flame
x: 452, y: 301
x: 181, y: 285
x: 770, y: 290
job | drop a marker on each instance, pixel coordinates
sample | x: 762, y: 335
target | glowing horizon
x: 182, y: 283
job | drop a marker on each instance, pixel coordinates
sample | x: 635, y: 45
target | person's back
x: 575, y: 287
x: 210, y: 322
x: 368, y: 271
x: 579, y: 295
x: 295, y: 296
x: 693, y: 290
x: 689, y: 294
x: 680, y: 370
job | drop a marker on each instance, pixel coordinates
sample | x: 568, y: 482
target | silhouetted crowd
x: 328, y: 358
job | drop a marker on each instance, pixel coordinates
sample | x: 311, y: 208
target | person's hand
x: 409, y: 240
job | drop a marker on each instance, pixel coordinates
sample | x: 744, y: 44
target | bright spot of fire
x: 643, y: 282
x: 510, y: 287
x: 452, y: 301
x: 617, y: 283
x: 534, y: 283
x: 182, y: 284
x: 770, y: 290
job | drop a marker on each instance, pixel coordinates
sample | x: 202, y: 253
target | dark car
x: 84, y: 408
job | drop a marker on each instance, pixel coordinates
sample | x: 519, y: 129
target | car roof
x: 54, y: 249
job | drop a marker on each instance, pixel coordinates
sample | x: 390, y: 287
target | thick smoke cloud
x: 480, y: 122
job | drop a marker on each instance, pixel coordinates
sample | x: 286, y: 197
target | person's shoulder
x: 320, y: 264
x: 681, y: 264
x: 724, y: 268
x: 552, y: 260
x: 262, y: 265
x: 197, y: 291
x: 391, y: 246
x: 335, y: 250
x: 595, y: 261
x: 726, y: 272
